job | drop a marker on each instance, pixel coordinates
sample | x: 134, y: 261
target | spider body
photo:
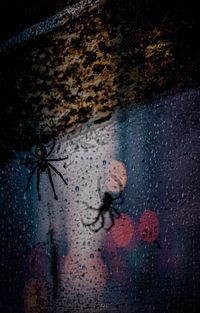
x: 107, y: 203
x: 107, y: 206
x: 42, y: 164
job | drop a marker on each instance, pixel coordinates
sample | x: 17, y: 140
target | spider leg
x: 116, y: 212
x: 93, y: 223
x: 112, y: 221
x: 30, y: 177
x: 51, y: 150
x: 59, y: 159
x: 101, y: 226
x: 89, y: 207
x: 99, y: 190
x: 51, y: 182
x: 38, y: 184
x: 58, y: 173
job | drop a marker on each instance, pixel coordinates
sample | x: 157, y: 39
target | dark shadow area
x: 15, y: 16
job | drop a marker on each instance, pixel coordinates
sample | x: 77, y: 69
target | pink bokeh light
x: 149, y: 226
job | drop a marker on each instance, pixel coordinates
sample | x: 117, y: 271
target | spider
x: 43, y: 165
x: 107, y: 206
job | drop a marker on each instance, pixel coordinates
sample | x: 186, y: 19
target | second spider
x: 108, y: 203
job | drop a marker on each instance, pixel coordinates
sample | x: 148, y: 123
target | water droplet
x: 104, y: 162
x: 77, y: 188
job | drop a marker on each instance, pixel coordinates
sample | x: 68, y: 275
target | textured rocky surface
x: 111, y: 55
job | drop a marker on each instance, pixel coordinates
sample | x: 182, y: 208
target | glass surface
x: 145, y: 160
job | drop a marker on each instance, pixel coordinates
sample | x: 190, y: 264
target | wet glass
x: 123, y: 234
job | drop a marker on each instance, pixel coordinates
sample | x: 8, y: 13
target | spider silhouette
x: 43, y: 165
x: 107, y: 206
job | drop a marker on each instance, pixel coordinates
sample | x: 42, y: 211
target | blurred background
x: 149, y: 260
x: 116, y: 87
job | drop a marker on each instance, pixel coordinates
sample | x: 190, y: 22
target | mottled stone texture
x: 116, y: 53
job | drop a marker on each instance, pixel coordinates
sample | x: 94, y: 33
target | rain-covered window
x: 99, y: 161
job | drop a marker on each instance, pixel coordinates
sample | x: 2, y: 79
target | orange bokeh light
x: 116, y: 179
x: 35, y: 297
x: 123, y: 230
x: 89, y: 273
